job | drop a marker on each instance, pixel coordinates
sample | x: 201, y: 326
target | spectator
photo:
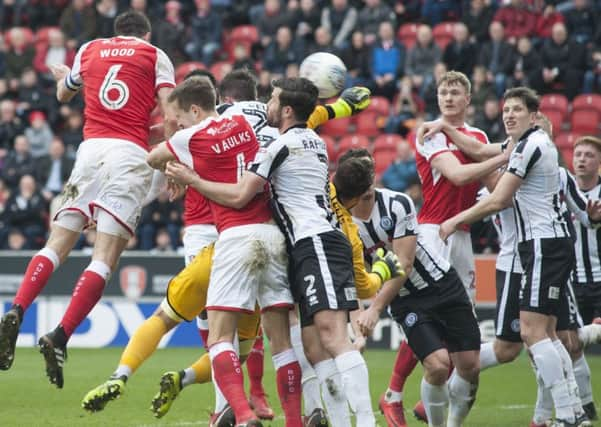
x: 477, y: 20
x: 4, y: 196
x: 13, y: 13
x: 437, y: 11
x: 55, y: 52
x: 292, y: 71
x: 170, y: 33
x: 371, y: 16
x: 264, y: 86
x: 387, y: 62
x: 72, y: 134
x: 106, y: 12
x: 242, y: 59
x: 281, y: 52
x: 159, y: 214
x: 497, y: 57
x: 405, y: 110
x: 340, y: 19
x: 322, y: 43
x: 78, y: 23
x: 403, y: 171
x: 482, y: 90
x: 18, y: 57
x: 32, y: 95
x: 304, y: 21
x: 545, y: 22
x: 270, y: 21
x: 407, y: 11
x: 204, y: 37
x: 592, y: 77
x: 490, y: 120
x: 10, y: 126
x: 163, y: 242
x: 356, y: 57
x: 39, y: 135
x: 45, y: 12
x: 16, y: 240
x: 528, y: 64
x: 18, y: 162
x: 430, y: 97
x: 53, y: 170
x: 422, y: 58
x: 26, y: 210
x: 460, y: 54
x: 564, y: 62
x: 517, y: 20
x: 4, y: 94
x: 581, y: 21
x: 2, y: 57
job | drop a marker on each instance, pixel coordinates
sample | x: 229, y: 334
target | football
x: 326, y: 71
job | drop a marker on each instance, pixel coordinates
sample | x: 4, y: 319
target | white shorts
x: 196, y: 237
x: 458, y: 251
x: 111, y: 174
x: 250, y: 266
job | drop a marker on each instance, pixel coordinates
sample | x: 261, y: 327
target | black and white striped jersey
x: 537, y: 202
x: 255, y: 114
x: 588, y: 246
x: 296, y: 165
x: 394, y: 217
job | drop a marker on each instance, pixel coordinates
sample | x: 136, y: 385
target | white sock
x: 392, y: 396
x: 582, y: 372
x: 436, y: 400
x: 543, y: 410
x: 590, y: 334
x: 122, y: 371
x: 189, y: 377
x: 568, y: 368
x: 488, y: 358
x: 355, y: 380
x: 333, y: 393
x: 547, y: 360
x: 461, y: 398
x: 310, y: 383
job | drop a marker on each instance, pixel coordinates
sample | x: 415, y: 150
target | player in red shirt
x: 250, y: 262
x: 123, y: 78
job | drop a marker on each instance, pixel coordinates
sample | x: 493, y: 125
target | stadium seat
x: 379, y: 105
x: 407, y: 34
x: 220, y: 69
x: 567, y: 154
x: 28, y: 35
x: 556, y: 118
x: 247, y: 33
x: 585, y: 121
x: 387, y: 143
x: 351, y: 141
x: 566, y: 140
x: 443, y: 34
x: 230, y: 45
x: 331, y: 146
x: 411, y: 137
x: 183, y: 69
x: 336, y: 128
x: 554, y: 102
x: 587, y: 102
x: 382, y: 160
x: 41, y: 36
x: 367, y: 124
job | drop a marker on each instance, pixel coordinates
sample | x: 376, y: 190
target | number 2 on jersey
x: 115, y: 87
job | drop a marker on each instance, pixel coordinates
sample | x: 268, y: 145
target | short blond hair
x: 589, y: 140
x: 455, y: 77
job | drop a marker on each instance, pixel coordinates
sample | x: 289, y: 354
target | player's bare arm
x: 158, y: 158
x: 460, y: 174
x: 499, y: 199
x: 60, y: 72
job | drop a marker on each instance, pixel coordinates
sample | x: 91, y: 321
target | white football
x: 326, y: 71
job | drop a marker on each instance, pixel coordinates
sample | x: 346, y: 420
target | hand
x: 367, y: 321
x: 357, y: 98
x: 59, y: 71
x: 427, y: 129
x: 176, y: 191
x: 359, y: 343
x: 386, y: 265
x: 180, y: 173
x: 593, y: 208
x: 446, y: 229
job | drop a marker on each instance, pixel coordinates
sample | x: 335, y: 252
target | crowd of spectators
x: 550, y: 45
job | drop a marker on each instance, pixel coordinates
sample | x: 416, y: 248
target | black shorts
x: 439, y: 316
x: 547, y: 265
x: 323, y: 275
x: 507, y: 322
x: 588, y: 296
x: 568, y: 317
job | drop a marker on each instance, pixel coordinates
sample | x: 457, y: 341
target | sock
x: 333, y: 393
x: 568, y: 368
x: 462, y: 395
x: 86, y: 294
x: 141, y: 345
x: 547, y: 360
x: 310, y: 383
x: 228, y: 376
x: 404, y: 364
x: 204, y: 336
x: 288, y: 376
x: 543, y: 409
x: 122, y: 371
x: 188, y: 376
x: 582, y: 372
x: 38, y: 272
x: 254, y: 365
x: 435, y: 399
x: 590, y: 334
x: 220, y: 400
x: 202, y: 369
x: 488, y: 358
x: 355, y: 380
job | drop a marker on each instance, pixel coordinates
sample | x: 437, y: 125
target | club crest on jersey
x: 386, y: 223
x: 410, y: 319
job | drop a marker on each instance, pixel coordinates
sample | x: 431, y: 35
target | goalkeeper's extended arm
x: 386, y: 265
x: 351, y: 101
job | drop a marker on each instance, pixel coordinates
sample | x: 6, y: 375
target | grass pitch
x: 506, y: 395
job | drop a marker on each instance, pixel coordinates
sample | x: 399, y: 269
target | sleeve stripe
x: 533, y: 159
x: 279, y: 159
x: 574, y: 193
x: 170, y: 147
x: 71, y: 84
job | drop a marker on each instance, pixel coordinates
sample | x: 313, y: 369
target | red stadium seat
x: 556, y: 118
x: 336, y: 128
x: 411, y: 137
x: 183, y: 69
x: 585, y: 121
x: 555, y: 102
x: 230, y: 45
x: 443, y: 34
x: 566, y: 140
x: 379, y: 105
x: 587, y: 102
x: 331, y: 146
x: 407, y: 34
x: 382, y: 160
x: 351, y: 141
x: 247, y: 33
x: 567, y: 154
x: 367, y: 124
x: 220, y: 69
x: 41, y: 36
x: 388, y: 143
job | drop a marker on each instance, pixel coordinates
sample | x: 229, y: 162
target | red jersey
x: 218, y: 149
x: 121, y: 76
x: 196, y: 208
x: 442, y: 199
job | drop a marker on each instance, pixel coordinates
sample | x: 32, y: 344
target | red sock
x: 289, y: 390
x: 254, y: 364
x: 204, y: 336
x: 403, y: 366
x: 36, y: 276
x: 228, y: 375
x: 86, y: 294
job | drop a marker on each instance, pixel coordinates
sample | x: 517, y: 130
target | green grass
x: 505, y: 398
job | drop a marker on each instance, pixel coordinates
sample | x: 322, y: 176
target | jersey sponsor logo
x: 386, y: 223
x: 106, y: 53
x: 410, y: 319
x: 132, y: 280
x: 222, y: 127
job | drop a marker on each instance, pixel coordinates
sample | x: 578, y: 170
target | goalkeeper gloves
x: 386, y: 265
x: 351, y: 101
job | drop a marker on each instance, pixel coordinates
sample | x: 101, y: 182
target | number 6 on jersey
x: 108, y: 88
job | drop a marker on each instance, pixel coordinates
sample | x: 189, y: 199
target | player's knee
x: 436, y: 367
x: 507, y: 352
x: 469, y: 369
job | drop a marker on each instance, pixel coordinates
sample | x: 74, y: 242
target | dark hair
x: 132, y: 23
x: 199, y: 72
x: 526, y: 95
x: 194, y: 91
x: 354, y: 153
x: 240, y: 85
x: 353, y: 177
x: 298, y: 93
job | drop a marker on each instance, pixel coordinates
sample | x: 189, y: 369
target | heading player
x: 124, y: 77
